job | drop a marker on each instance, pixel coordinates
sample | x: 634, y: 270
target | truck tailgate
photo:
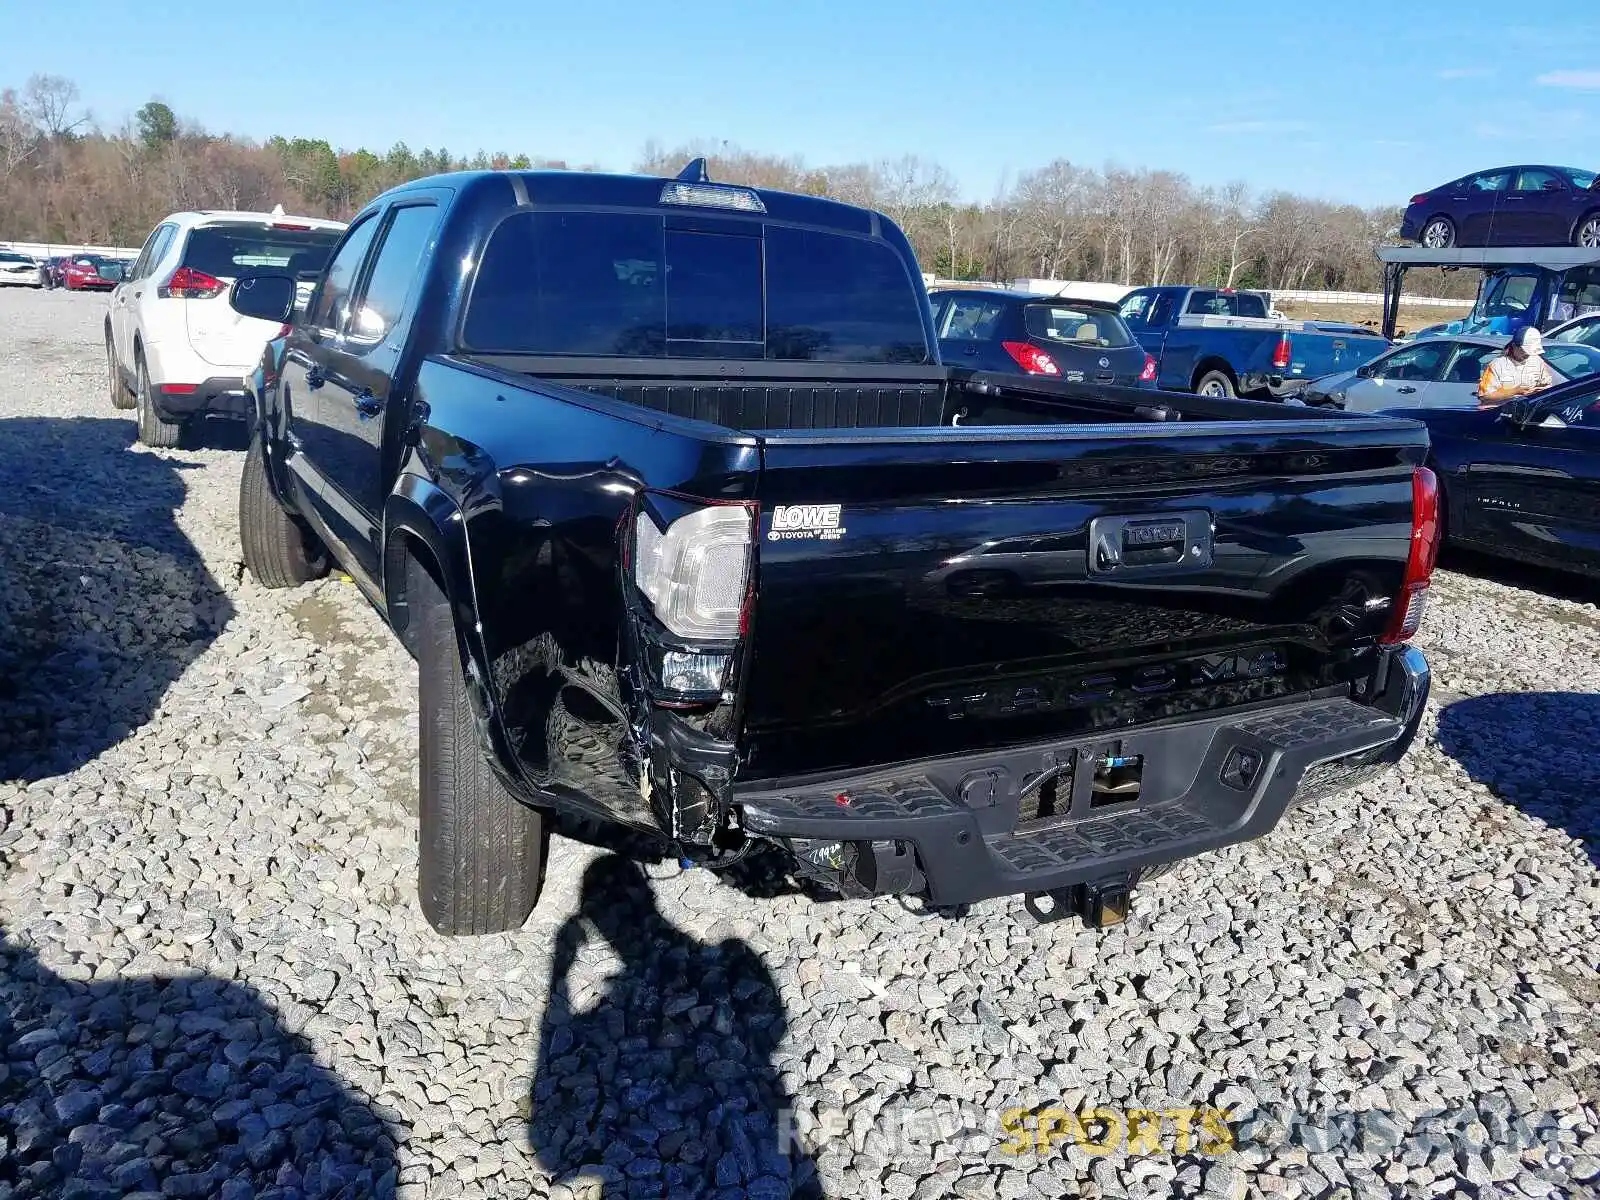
x: 927, y: 593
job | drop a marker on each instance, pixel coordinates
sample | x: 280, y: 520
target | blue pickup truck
x: 1222, y: 342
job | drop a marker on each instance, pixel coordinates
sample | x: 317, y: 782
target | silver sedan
x: 1437, y: 372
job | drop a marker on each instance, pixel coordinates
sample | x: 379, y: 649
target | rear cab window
x: 232, y: 251
x: 1135, y: 310
x: 1225, y: 304
x: 1099, y: 327
x: 641, y: 286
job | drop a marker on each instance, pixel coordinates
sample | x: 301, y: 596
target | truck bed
x: 757, y: 397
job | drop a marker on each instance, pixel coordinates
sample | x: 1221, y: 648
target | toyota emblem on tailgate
x: 1105, y: 362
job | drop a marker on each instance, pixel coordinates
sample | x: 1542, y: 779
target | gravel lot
x: 216, y: 981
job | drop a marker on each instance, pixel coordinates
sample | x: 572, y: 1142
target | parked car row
x: 1219, y: 342
x: 74, y: 272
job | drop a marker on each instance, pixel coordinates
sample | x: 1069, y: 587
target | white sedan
x: 19, y: 268
x: 1437, y: 372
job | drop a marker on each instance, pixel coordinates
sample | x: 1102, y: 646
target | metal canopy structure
x: 1551, y: 258
x: 1397, y: 260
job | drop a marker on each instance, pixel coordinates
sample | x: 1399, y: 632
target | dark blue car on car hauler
x: 1508, y: 206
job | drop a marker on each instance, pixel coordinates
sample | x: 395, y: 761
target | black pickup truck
x: 663, y: 484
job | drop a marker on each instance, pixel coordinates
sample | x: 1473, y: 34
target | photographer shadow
x: 1535, y: 750
x: 104, y: 601
x: 185, y: 1086
x: 666, y: 1079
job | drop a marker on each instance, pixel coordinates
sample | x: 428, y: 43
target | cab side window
x: 394, y: 272
x: 331, y: 308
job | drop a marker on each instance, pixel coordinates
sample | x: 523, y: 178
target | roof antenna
x: 695, y: 172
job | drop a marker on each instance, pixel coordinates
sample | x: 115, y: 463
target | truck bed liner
x: 753, y: 396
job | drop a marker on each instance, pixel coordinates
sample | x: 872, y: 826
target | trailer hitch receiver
x: 1101, y: 904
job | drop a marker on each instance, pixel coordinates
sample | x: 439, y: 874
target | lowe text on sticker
x: 795, y: 521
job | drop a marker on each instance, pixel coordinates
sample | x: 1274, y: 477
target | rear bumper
x: 1276, y: 386
x: 225, y: 394
x: 1206, y: 784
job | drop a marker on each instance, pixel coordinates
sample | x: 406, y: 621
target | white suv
x: 174, y: 346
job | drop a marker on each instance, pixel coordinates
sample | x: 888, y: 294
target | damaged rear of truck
x: 691, y: 532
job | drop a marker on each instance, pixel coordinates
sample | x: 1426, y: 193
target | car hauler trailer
x: 1521, y: 284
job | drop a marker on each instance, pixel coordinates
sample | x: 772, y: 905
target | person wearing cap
x: 1517, y: 371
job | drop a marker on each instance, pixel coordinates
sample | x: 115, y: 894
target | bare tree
x: 49, y: 102
x: 19, y: 139
x: 1052, y: 205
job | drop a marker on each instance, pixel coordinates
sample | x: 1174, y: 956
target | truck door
x: 313, y: 355
x: 1148, y: 313
x: 358, y: 404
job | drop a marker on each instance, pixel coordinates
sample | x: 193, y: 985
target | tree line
x: 66, y: 178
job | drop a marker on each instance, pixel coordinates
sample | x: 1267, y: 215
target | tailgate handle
x: 1136, y: 545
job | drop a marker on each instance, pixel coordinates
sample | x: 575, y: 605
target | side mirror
x: 1364, y: 371
x: 266, y: 297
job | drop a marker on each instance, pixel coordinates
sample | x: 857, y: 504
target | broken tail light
x: 696, y: 571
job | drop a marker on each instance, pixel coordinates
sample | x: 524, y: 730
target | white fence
x: 1375, y: 298
x: 1080, y: 290
x: 50, y: 249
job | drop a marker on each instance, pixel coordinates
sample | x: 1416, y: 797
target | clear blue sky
x: 1354, y: 100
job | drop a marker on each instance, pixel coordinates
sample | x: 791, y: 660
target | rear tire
x: 481, y: 851
x: 1216, y: 384
x: 279, y: 551
x: 121, y: 397
x: 1587, y: 231
x: 1438, y: 234
x: 153, y: 431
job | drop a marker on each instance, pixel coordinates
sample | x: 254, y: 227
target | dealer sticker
x: 819, y: 522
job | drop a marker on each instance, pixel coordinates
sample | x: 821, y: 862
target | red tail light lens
x: 1420, y: 198
x: 1148, y: 375
x: 1031, y: 359
x: 188, y: 284
x: 1419, y: 562
x: 1281, y: 353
